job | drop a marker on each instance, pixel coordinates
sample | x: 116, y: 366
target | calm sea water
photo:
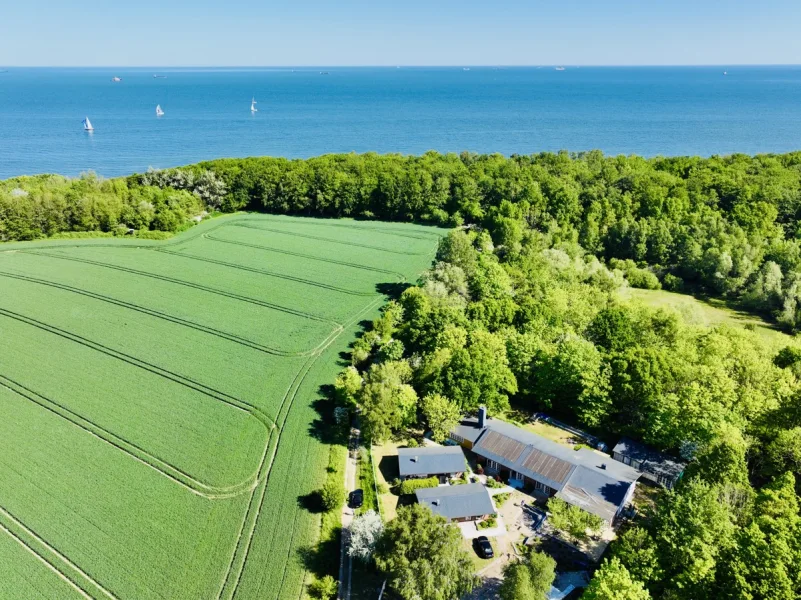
x: 303, y: 113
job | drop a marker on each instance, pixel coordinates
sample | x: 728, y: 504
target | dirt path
x: 345, y: 563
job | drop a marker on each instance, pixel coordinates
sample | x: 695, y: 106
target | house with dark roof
x: 444, y: 462
x: 584, y: 478
x: 468, y: 502
x: 653, y: 465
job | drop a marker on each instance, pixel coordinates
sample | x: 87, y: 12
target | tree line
x: 724, y: 226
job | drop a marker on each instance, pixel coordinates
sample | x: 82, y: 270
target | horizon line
x: 408, y: 66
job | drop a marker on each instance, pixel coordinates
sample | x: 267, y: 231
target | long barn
x: 585, y: 478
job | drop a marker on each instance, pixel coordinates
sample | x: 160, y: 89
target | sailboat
x: 116, y: 79
x: 87, y: 124
x: 159, y: 112
x: 253, y: 108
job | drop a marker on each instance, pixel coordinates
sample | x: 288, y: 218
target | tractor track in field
x: 267, y: 273
x: 136, y: 452
x: 299, y: 378
x: 50, y: 567
x: 164, y: 316
x: 325, y: 239
x: 202, y: 488
x: 423, y: 235
x: 258, y: 487
x: 343, y: 263
x: 28, y: 545
x: 204, y: 288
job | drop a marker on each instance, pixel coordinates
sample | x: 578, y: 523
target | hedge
x: 410, y: 485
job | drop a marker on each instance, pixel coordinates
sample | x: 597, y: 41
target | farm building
x: 653, y: 465
x: 444, y: 462
x: 469, y: 502
x: 584, y: 478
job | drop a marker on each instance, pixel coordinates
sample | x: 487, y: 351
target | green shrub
x: 410, y: 485
x: 153, y: 235
x: 500, y: 499
x: 636, y: 276
x: 488, y: 523
x: 571, y: 519
x: 332, y: 495
x: 324, y: 589
x: 494, y: 483
x: 672, y: 283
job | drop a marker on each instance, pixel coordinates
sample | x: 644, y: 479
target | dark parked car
x: 356, y: 499
x: 483, y: 547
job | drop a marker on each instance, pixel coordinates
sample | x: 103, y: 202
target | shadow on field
x: 323, y: 559
x: 392, y: 290
x: 324, y: 428
x: 311, y: 502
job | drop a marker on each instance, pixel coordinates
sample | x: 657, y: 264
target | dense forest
x: 524, y: 307
x: 544, y: 325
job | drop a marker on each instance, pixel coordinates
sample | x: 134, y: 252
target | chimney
x: 482, y: 417
x: 603, y: 466
x: 414, y: 459
x: 435, y: 502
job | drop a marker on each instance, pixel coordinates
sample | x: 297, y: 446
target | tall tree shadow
x: 323, y: 559
x: 392, y: 290
x: 324, y: 428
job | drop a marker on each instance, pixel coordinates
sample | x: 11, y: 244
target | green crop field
x: 158, y: 430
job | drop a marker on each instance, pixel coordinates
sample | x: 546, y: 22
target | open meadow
x: 158, y: 431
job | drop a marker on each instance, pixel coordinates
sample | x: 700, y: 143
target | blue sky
x: 399, y: 32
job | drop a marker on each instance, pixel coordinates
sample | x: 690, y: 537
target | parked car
x: 356, y: 499
x: 483, y: 547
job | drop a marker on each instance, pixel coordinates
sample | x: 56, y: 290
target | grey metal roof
x: 457, y: 501
x: 468, y: 429
x: 586, y: 478
x: 430, y: 460
x: 651, y: 460
x: 589, y: 489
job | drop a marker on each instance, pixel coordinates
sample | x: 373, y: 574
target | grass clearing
x: 709, y: 312
x: 386, y: 462
x: 159, y: 424
x: 367, y: 482
x: 546, y: 430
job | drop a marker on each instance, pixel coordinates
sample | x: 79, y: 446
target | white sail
x: 87, y: 124
x: 159, y: 112
x: 253, y: 106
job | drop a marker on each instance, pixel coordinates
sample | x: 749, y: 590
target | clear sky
x: 398, y: 32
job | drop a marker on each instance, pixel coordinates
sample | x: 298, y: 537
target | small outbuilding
x: 468, y: 502
x: 444, y: 462
x: 653, y: 465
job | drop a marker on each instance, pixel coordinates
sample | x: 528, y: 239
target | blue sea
x: 302, y: 112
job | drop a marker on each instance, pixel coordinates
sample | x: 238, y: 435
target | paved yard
x: 471, y: 531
